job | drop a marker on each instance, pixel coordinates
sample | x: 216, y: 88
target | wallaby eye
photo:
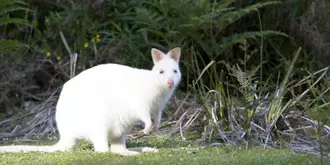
x: 161, y: 71
x: 175, y: 71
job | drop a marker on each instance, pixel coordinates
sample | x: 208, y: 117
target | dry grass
x: 186, y: 116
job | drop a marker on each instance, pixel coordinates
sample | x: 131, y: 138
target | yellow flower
x: 58, y: 58
x: 86, y: 45
x: 48, y: 54
x: 98, y: 36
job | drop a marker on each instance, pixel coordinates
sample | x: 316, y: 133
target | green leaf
x: 241, y: 37
x: 9, y: 45
x: 9, y: 9
x: 320, y: 112
x: 233, y: 16
x: 8, y: 20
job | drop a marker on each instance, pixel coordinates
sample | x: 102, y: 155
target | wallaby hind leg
x: 100, y: 142
x: 118, y: 146
x: 65, y: 144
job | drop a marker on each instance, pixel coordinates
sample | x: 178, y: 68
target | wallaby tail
x: 26, y: 148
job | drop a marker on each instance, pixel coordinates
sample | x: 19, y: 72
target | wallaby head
x: 166, y: 67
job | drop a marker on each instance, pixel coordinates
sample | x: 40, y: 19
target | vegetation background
x: 255, y: 72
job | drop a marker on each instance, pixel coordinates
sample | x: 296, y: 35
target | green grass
x: 169, y: 154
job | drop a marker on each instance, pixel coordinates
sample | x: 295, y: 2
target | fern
x: 7, y: 7
x: 242, y: 37
x: 8, y: 45
x: 137, y: 25
x: 231, y: 17
x: 8, y: 20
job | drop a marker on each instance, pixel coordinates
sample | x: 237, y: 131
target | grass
x: 171, y: 152
x: 231, y: 99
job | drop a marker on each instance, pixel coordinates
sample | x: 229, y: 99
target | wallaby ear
x: 157, y: 55
x: 175, y: 54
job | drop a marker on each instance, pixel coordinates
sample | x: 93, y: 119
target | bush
x: 245, y: 72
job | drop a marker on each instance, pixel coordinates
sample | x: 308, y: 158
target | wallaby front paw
x: 147, y: 131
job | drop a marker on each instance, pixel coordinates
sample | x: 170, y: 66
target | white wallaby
x: 106, y: 101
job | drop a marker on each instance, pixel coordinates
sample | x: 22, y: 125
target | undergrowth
x: 247, y: 80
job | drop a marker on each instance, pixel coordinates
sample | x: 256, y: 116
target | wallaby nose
x: 170, y: 83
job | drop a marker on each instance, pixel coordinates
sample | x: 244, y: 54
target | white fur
x: 105, y: 101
